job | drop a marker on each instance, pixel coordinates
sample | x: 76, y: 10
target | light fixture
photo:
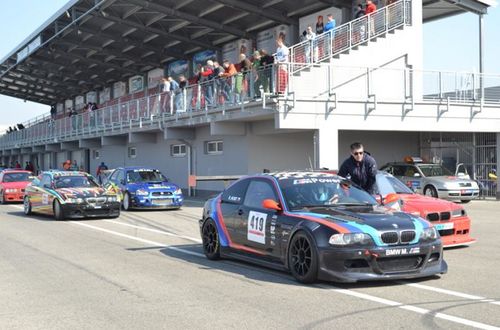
x: 104, y: 14
x: 68, y: 15
x: 79, y: 32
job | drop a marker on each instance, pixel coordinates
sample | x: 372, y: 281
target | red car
x: 12, y: 185
x: 449, y: 218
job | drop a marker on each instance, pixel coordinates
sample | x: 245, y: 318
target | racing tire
x: 58, y: 211
x: 126, y: 201
x: 210, y: 240
x: 27, y: 206
x: 465, y: 201
x: 430, y: 191
x: 303, y: 258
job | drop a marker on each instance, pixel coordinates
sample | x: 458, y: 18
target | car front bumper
x: 172, y: 202
x: 80, y: 211
x: 458, y: 194
x: 455, y: 232
x: 13, y: 197
x: 381, y: 263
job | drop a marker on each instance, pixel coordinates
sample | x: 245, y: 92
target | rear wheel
x: 58, y: 211
x: 27, y: 206
x: 430, y: 191
x: 210, y: 239
x: 303, y: 258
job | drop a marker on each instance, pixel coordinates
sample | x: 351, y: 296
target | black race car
x: 318, y: 226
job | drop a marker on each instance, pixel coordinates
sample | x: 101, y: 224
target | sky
x: 450, y: 44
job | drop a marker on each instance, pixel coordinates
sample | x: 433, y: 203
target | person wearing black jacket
x: 360, y: 167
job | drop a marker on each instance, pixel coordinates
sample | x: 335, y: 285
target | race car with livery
x: 433, y: 180
x: 12, y: 185
x: 318, y: 226
x: 450, y: 219
x: 69, y: 194
x: 143, y: 187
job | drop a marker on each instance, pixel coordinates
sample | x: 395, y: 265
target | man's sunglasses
x: 358, y: 153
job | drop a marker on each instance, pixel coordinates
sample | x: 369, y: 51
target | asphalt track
x: 146, y: 270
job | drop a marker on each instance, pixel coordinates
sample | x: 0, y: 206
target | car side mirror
x: 390, y: 198
x: 271, y: 204
x: 416, y: 175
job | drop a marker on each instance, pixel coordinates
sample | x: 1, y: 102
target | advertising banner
x: 177, y: 68
x: 154, y: 77
x: 92, y: 97
x: 229, y: 52
x: 79, y: 101
x: 60, y: 108
x: 119, y: 89
x: 267, y: 39
x: 105, y: 95
x: 200, y: 59
x: 68, y: 105
x: 136, y: 84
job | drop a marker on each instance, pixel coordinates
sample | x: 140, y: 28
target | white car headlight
x: 429, y: 234
x: 112, y: 199
x: 141, y: 192
x: 74, y: 200
x: 350, y: 239
x: 178, y: 191
x: 10, y: 190
x: 451, y: 185
x: 458, y: 213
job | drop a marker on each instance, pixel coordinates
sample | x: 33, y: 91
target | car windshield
x: 433, y: 170
x: 137, y: 176
x: 76, y: 181
x: 322, y: 191
x: 389, y: 185
x: 16, y: 177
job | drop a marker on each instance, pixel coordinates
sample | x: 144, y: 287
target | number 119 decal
x: 256, y: 230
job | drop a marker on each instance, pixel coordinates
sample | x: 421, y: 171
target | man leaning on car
x: 360, y: 167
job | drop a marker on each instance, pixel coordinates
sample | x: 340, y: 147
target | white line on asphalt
x: 415, y: 309
x: 156, y: 244
x: 451, y: 293
x: 155, y: 231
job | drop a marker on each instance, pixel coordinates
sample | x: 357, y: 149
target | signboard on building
x: 154, y: 77
x: 92, y: 97
x: 79, y: 101
x: 119, y: 89
x: 136, y: 84
x: 60, y: 108
x: 232, y: 50
x: 68, y: 105
x: 177, y: 68
x: 105, y: 95
x: 267, y: 39
x: 200, y: 59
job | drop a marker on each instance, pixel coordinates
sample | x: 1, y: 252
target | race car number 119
x: 256, y: 230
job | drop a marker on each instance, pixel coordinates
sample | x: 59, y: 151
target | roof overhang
x: 437, y: 9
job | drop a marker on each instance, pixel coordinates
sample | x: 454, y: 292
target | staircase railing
x: 350, y: 35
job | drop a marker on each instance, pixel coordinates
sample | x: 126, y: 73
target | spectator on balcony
x: 205, y: 79
x: 241, y: 80
x: 176, y: 92
x: 266, y: 62
x: 227, y: 80
x: 370, y: 9
x: 310, y: 45
x: 320, y: 27
x: 66, y: 165
x: 360, y: 12
x: 17, y: 165
x: 30, y: 167
x: 282, y: 59
x: 330, y: 24
x: 74, y: 166
x: 256, y: 76
x: 218, y: 70
x: 53, y: 112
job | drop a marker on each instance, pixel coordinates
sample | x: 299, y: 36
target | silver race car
x: 433, y: 180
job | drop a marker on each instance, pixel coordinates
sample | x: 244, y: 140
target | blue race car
x: 142, y: 187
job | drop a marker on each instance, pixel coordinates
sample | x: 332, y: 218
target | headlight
x: 142, y: 192
x: 450, y: 185
x: 112, y: 199
x: 74, y: 200
x: 350, y: 239
x: 429, y: 234
x: 10, y: 190
x: 178, y: 191
x: 458, y: 213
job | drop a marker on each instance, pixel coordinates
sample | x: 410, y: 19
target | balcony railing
x: 350, y: 35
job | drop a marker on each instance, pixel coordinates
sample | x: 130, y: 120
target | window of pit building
x: 96, y: 154
x: 132, y: 152
x: 178, y: 150
x: 214, y: 147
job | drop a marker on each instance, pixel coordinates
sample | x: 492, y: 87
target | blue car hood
x: 158, y: 186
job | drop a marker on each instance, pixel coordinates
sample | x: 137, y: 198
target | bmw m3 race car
x: 68, y: 194
x: 318, y: 226
x: 12, y: 185
x: 449, y: 218
x: 142, y: 187
x: 433, y: 180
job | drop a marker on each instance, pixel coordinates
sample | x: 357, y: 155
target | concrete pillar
x: 326, y: 145
x: 498, y: 165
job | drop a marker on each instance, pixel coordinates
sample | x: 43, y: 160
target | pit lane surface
x: 146, y: 270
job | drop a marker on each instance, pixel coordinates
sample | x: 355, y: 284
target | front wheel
x: 58, y: 211
x: 126, y: 201
x: 27, y: 206
x: 303, y: 258
x: 430, y: 191
x: 210, y: 239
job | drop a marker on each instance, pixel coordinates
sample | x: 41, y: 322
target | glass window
x: 214, y: 147
x: 132, y: 152
x: 120, y: 177
x: 388, y: 185
x: 145, y: 176
x: 399, y: 170
x: 235, y: 193
x: 257, y: 192
x: 434, y: 170
x: 46, y: 181
x: 114, y: 176
x: 16, y: 177
x: 178, y: 150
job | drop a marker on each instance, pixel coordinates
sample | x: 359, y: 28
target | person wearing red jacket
x: 370, y: 9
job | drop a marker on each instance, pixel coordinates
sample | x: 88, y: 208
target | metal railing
x: 350, y: 35
x: 233, y: 92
